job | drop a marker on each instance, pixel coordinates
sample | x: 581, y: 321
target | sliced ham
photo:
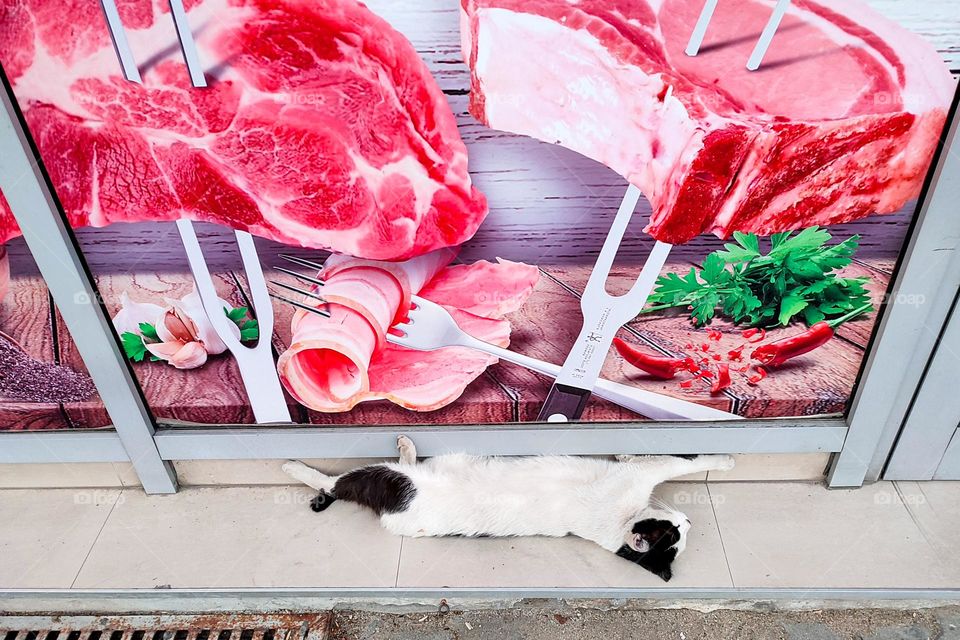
x: 840, y: 122
x: 334, y: 363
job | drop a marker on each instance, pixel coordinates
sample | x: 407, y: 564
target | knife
x: 603, y: 315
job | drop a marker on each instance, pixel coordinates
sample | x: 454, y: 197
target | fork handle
x: 649, y: 404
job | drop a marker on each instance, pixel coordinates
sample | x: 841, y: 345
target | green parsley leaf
x: 149, y: 331
x: 133, y: 346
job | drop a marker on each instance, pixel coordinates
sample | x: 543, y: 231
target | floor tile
x: 805, y: 535
x: 239, y: 537
x: 58, y: 475
x: 565, y: 562
x: 934, y: 506
x: 45, y: 535
x: 775, y: 466
x: 254, y: 472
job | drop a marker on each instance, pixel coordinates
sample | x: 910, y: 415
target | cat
x: 607, y: 502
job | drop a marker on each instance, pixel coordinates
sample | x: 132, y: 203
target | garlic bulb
x: 186, y: 335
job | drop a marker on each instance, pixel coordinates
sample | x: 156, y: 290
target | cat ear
x: 642, y: 544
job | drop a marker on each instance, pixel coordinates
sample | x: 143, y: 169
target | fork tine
x: 300, y: 291
x: 187, y: 44
x: 120, y: 44
x: 300, y: 276
x: 699, y: 31
x: 611, y: 245
x: 300, y: 305
x: 303, y: 262
x: 767, y: 36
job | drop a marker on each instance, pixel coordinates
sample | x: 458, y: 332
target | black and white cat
x: 608, y: 502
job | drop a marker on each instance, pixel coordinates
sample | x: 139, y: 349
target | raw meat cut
x: 321, y: 126
x: 841, y: 120
x: 334, y: 363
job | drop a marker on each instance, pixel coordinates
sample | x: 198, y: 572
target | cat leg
x: 663, y: 468
x: 308, y: 476
x: 408, y: 452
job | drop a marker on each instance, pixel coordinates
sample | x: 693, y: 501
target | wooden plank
x: 212, y: 394
x: 25, y: 317
x: 485, y: 401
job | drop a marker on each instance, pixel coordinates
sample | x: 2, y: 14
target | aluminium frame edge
x: 910, y: 323
x: 37, y: 210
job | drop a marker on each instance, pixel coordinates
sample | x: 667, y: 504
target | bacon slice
x: 335, y: 363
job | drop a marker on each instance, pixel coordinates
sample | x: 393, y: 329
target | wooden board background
x: 549, y: 206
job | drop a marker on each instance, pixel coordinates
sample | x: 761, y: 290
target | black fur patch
x: 322, y: 501
x: 661, y: 535
x: 382, y: 489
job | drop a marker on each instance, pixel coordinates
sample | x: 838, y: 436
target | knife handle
x: 563, y: 403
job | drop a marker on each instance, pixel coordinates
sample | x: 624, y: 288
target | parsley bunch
x: 795, y: 279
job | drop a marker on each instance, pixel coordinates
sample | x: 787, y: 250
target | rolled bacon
x: 334, y: 363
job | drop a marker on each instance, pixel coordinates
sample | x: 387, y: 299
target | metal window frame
x: 863, y: 438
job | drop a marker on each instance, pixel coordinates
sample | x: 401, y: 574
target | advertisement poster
x: 475, y: 157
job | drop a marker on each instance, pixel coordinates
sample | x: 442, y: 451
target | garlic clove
x: 176, y: 325
x: 206, y: 334
x: 132, y: 313
x: 181, y: 355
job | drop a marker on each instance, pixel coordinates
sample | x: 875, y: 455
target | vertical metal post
x: 27, y: 188
x: 920, y: 300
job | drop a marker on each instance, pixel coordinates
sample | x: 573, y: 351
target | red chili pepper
x: 713, y: 334
x: 760, y: 375
x: 777, y: 352
x: 705, y: 347
x: 736, y: 355
x: 717, y: 356
x: 755, y: 335
x: 723, y: 379
x: 661, y: 367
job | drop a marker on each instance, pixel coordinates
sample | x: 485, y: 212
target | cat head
x: 655, y: 539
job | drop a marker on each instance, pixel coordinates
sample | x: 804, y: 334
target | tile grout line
x: 723, y: 546
x: 103, y: 525
x: 928, y: 536
x: 396, y: 578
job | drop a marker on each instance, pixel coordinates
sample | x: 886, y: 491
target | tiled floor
x: 745, y: 534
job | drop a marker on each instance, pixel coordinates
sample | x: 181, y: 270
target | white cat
x: 607, y: 502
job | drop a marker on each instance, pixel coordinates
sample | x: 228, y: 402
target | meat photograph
x: 468, y: 212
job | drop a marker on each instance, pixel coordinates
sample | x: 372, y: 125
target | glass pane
x: 357, y: 136
x: 43, y: 382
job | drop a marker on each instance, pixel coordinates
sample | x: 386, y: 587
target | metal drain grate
x: 277, y: 626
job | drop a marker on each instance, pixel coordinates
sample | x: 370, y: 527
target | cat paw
x: 404, y: 443
x: 292, y: 467
x: 725, y: 463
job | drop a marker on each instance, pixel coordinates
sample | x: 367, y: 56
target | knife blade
x: 603, y: 315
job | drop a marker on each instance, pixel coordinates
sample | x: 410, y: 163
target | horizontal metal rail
x: 62, y: 446
x: 747, y: 436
